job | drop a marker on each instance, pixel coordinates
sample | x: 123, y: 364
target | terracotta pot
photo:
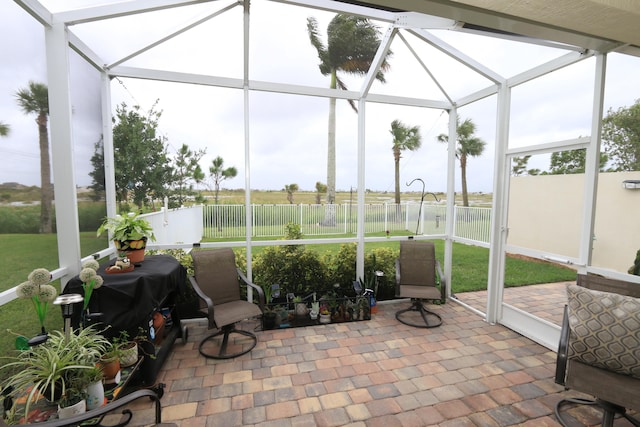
x: 110, y: 367
x: 135, y: 257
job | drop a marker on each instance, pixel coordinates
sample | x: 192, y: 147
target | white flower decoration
x: 40, y: 276
x: 47, y: 293
x: 87, y: 275
x: 92, y: 264
x: 26, y: 290
x: 98, y: 282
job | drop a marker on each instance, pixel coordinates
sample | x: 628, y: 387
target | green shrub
x: 299, y: 271
x: 90, y: 215
x: 26, y: 219
x: 20, y: 219
x: 383, y: 259
x: 341, y: 266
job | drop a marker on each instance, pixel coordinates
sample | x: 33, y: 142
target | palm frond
x: 314, y: 37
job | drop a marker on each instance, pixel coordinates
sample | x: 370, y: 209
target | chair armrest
x: 103, y: 410
x: 443, y: 283
x: 563, y: 349
x: 206, y: 299
x: 258, y: 289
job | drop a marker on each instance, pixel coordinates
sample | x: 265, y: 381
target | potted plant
x: 73, y: 402
x: 93, y: 387
x: 109, y: 362
x: 129, y: 233
x: 301, y: 307
x: 315, y: 310
x: 126, y: 349
x: 325, y: 314
x: 56, y: 368
x: 270, y: 315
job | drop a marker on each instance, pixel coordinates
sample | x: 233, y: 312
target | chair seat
x: 422, y: 292
x: 235, y: 311
x: 616, y: 388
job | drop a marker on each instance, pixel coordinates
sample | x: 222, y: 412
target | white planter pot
x: 129, y: 356
x: 95, y: 395
x: 301, y: 309
x: 70, y: 411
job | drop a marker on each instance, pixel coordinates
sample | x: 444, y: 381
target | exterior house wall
x: 545, y: 213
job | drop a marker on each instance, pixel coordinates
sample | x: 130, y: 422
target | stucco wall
x: 545, y: 213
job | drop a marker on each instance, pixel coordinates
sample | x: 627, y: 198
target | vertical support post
x: 61, y: 133
x: 498, y: 237
x: 107, y: 146
x: 451, y: 194
x: 360, y: 193
x: 247, y: 162
x: 592, y: 163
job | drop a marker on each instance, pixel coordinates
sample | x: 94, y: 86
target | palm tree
x: 4, y: 129
x: 468, y: 145
x: 218, y: 173
x: 320, y: 190
x: 404, y: 138
x: 352, y: 45
x: 290, y: 189
x: 35, y: 99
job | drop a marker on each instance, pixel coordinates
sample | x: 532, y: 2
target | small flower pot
x: 95, y: 395
x: 301, y: 309
x: 110, y: 368
x: 70, y: 411
x: 269, y: 320
x: 129, y: 354
x: 325, y: 318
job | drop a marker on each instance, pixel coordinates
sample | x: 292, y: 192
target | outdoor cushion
x: 605, y: 330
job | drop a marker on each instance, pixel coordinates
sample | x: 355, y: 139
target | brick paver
x: 372, y: 373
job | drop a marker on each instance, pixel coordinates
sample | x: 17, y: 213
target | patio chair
x: 599, y: 349
x: 419, y: 277
x: 216, y: 281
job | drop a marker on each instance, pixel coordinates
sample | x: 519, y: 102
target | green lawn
x: 19, y: 255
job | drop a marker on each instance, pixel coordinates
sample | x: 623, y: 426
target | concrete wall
x: 545, y: 213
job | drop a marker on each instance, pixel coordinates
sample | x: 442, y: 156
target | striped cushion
x: 605, y: 330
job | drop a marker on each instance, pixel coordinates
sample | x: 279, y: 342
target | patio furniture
x: 129, y: 301
x: 599, y: 349
x: 216, y: 282
x: 419, y: 277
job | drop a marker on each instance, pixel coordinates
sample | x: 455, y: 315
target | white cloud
x: 288, y: 133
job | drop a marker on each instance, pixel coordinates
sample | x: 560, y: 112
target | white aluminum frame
x: 60, y: 37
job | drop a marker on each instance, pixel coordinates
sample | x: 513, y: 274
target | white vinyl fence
x: 229, y: 221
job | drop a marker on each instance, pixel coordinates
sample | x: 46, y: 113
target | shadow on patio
x: 370, y: 373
